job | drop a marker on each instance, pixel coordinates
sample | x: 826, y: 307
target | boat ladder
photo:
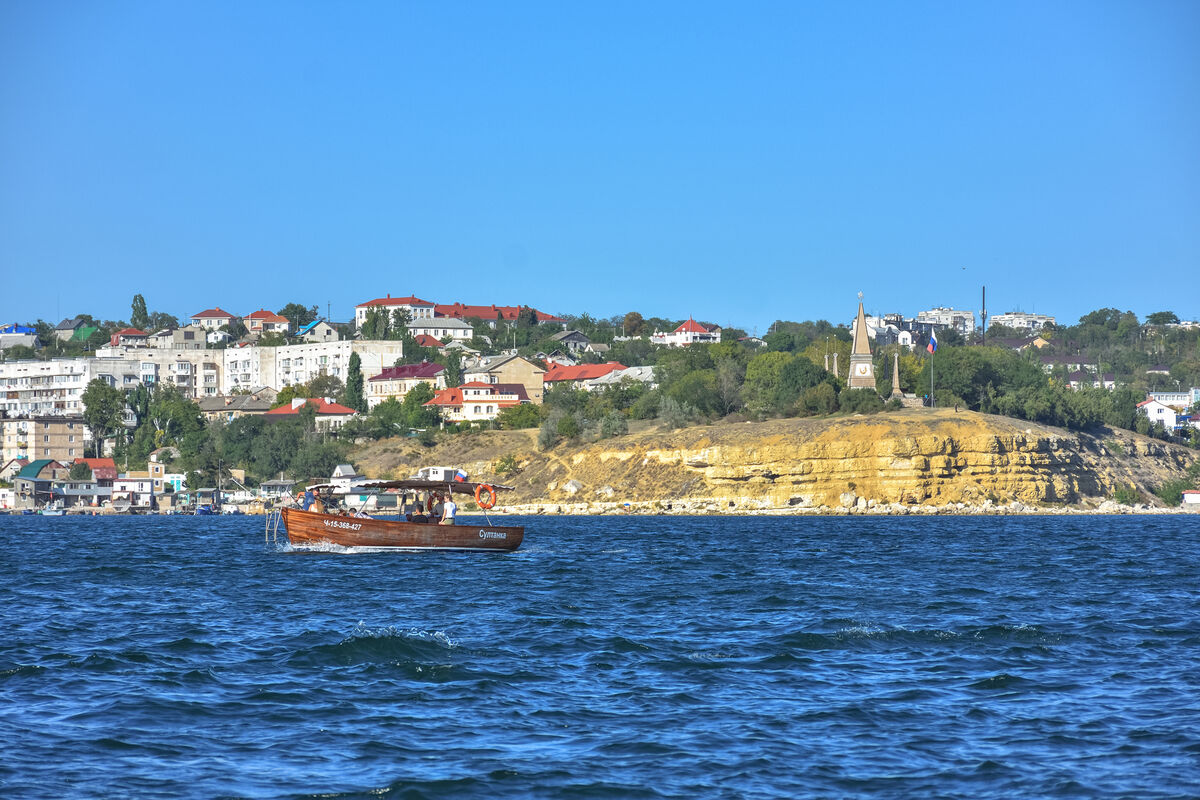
x: 274, y: 520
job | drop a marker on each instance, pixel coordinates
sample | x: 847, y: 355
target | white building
x: 477, y: 401
x: 961, y: 321
x: 396, y: 382
x: 195, y: 373
x: 276, y: 367
x: 416, y: 308
x: 212, y: 318
x: 1019, y: 319
x: 688, y: 333
x: 1178, y: 400
x: 33, y: 387
x: 1159, y: 412
x: 443, y: 328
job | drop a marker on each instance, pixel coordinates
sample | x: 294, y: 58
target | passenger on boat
x: 449, y: 509
x: 308, y: 500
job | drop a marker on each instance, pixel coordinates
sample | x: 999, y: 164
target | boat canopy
x: 412, y: 485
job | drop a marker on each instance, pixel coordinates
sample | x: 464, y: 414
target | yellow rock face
x: 910, y: 457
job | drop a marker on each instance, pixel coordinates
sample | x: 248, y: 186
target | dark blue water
x: 609, y: 657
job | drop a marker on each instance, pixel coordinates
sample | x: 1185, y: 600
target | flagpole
x: 932, y: 396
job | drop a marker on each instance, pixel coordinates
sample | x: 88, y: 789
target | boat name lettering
x: 486, y: 534
x: 337, y: 523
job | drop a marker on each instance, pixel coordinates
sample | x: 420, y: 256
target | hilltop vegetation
x: 731, y: 380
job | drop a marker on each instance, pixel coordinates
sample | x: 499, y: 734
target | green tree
x: 613, y: 424
x: 760, y: 391
x: 102, y: 411
x: 354, y: 385
x: 139, y: 317
x: 1163, y: 318
x: 454, y: 370
x: 633, y: 324
x: 417, y: 414
x: 328, y: 386
x: 376, y: 325
x: 298, y: 315
x: 80, y: 471
x: 160, y: 321
x: 523, y: 415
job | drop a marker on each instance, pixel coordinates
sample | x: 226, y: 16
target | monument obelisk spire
x: 862, y: 367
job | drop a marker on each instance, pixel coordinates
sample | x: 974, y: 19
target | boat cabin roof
x: 454, y: 487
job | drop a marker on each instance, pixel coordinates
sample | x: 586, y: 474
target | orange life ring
x: 481, y: 490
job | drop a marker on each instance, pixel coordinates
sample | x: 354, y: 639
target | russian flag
x: 460, y: 476
x: 932, y: 346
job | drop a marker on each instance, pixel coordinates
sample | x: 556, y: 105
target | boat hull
x: 309, y: 527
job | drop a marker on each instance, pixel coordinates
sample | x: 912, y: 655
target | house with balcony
x: 396, y: 382
x: 135, y: 488
x: 80, y: 493
x: 211, y: 319
x: 508, y: 369
x: 688, y: 333
x: 33, y: 486
x: 263, y: 321
x: 477, y: 401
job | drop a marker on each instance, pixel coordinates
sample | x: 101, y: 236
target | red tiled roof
x: 425, y: 340
x: 213, y: 312
x: 266, y: 316
x: 691, y: 326
x: 488, y: 313
x: 454, y: 396
x: 102, y: 468
x: 321, y: 406
x: 130, y: 332
x: 395, y: 301
x: 580, y: 372
x: 406, y: 372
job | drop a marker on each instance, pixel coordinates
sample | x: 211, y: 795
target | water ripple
x: 608, y: 658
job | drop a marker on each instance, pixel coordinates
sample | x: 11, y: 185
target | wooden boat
x: 314, y: 527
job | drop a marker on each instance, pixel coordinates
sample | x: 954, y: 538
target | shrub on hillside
x: 860, y: 401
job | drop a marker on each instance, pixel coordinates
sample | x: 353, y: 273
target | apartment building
x: 60, y: 438
x: 276, y: 367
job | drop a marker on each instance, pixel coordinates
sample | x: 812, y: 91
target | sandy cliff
x: 910, y: 458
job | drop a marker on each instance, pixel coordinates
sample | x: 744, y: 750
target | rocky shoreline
x: 708, y: 508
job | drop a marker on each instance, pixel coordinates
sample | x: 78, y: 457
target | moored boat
x: 314, y: 527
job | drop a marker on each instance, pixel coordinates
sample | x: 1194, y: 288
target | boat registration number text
x: 337, y: 523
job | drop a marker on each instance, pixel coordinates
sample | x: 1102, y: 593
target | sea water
x: 622, y: 657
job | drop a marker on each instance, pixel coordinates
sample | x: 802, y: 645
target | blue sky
x: 735, y: 162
